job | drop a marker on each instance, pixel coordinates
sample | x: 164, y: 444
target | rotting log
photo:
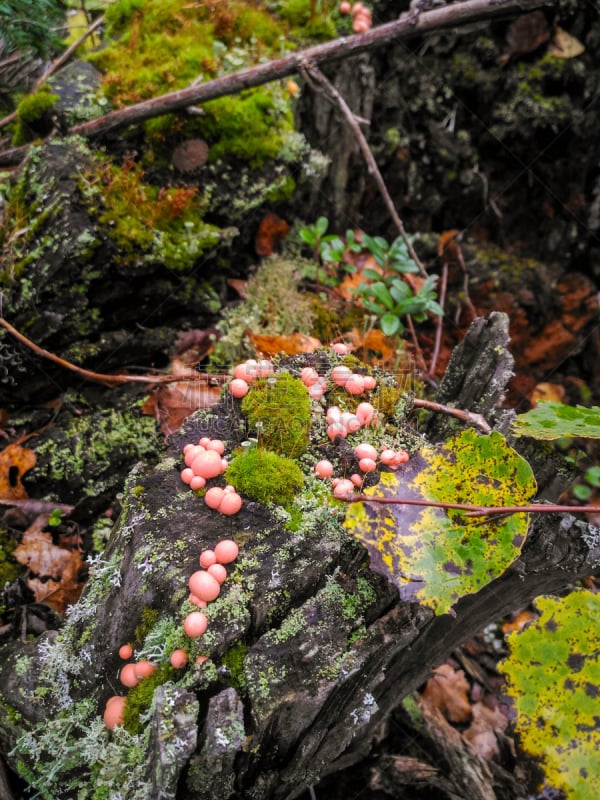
x: 309, y: 650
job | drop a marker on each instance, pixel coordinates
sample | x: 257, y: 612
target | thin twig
x: 98, y: 377
x: 471, y: 417
x: 56, y: 64
x: 419, y: 357
x: 31, y: 506
x: 439, y: 325
x: 473, y: 510
x: 315, y: 73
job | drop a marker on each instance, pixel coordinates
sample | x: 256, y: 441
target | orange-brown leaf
x: 447, y: 691
x: 172, y: 403
x: 271, y: 231
x: 481, y: 733
x: 291, y: 345
x: 15, y: 461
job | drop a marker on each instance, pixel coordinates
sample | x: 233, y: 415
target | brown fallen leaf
x: 563, y: 45
x: 291, y: 345
x: 173, y: 403
x: 447, y: 691
x: 518, y: 623
x: 15, y: 461
x: 271, y: 231
x: 56, y: 570
x: 545, y: 391
x: 525, y: 34
x: 481, y: 733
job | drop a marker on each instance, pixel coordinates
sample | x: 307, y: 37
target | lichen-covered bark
x: 308, y: 650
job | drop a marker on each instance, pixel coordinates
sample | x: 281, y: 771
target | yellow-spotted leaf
x: 553, y: 674
x: 436, y: 556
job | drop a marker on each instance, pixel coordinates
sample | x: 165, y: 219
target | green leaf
x: 552, y: 420
x: 380, y: 292
x: 582, y: 492
x: 553, y: 673
x: 321, y: 225
x: 435, y: 556
x: 391, y: 325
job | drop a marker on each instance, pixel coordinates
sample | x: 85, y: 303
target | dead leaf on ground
x: 563, y: 45
x: 545, y: 391
x: 56, y: 570
x: 348, y: 286
x: 291, y: 345
x: 173, y: 403
x: 482, y: 732
x: 15, y: 461
x: 271, y: 231
x: 525, y: 34
x: 518, y: 622
x: 194, y: 345
x: 447, y: 691
x: 374, y: 341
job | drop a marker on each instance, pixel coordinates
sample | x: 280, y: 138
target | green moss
x: 165, y: 45
x: 31, y: 110
x: 10, y: 569
x: 274, y: 305
x: 234, y: 661
x: 139, y: 698
x: 145, y: 625
x: 278, y: 410
x: 150, y: 225
x: 265, y: 476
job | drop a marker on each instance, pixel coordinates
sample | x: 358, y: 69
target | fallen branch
x: 474, y: 510
x: 31, y: 506
x: 466, y: 416
x: 409, y: 25
x: 97, y: 377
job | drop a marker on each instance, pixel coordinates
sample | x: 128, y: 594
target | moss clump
x: 265, y: 476
x: 139, y: 698
x: 233, y: 660
x: 249, y: 126
x: 9, y: 568
x: 32, y: 115
x: 150, y: 225
x: 278, y: 409
x: 274, y: 305
x: 164, y: 45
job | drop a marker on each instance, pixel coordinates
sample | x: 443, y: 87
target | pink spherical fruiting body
x: 113, y: 712
x: 128, y: 677
x: 125, y: 651
x: 309, y: 376
x: 226, y: 551
x: 214, y: 496
x: 367, y: 465
x: 356, y: 479
x: 355, y: 384
x: 387, y: 456
x: 333, y: 414
x: 369, y: 382
x: 365, y: 413
x: 207, y: 464
x: 217, y: 445
x: 343, y: 488
x: 324, y: 469
x: 195, y: 624
x: 204, y: 586
x: 207, y: 557
x: 186, y: 475
x: 230, y: 504
x: 144, y: 668
x: 218, y: 572
x: 197, y: 482
x: 339, y: 347
x: 341, y: 375
x: 336, y: 429
x: 179, y: 658
x: 365, y: 450
x: 238, y: 388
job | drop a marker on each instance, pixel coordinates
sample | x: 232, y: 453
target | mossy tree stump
x: 308, y: 649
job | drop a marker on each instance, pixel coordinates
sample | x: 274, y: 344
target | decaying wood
x: 314, y: 695
x: 409, y: 25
